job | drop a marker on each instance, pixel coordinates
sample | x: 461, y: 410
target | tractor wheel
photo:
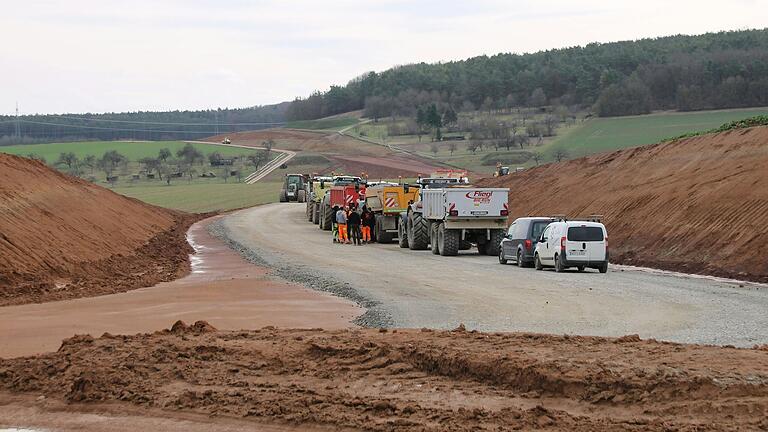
x: 418, y: 233
x: 283, y: 196
x: 433, y: 243
x: 327, y: 218
x: 315, y: 213
x: 309, y: 211
x: 301, y: 196
x: 402, y: 235
x: 495, y: 242
x: 321, y: 217
x: 448, y: 241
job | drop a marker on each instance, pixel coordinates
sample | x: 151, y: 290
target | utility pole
x: 18, y: 125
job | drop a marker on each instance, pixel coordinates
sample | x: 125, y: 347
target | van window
x: 585, y: 234
x: 511, y: 232
x: 538, y: 228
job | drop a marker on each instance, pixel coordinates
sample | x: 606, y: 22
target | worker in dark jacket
x: 368, y: 221
x: 353, y: 227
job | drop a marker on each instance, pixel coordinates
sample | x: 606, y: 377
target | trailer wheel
x: 433, y: 242
x: 402, y: 235
x: 283, y: 196
x: 448, y: 241
x: 494, y: 243
x: 418, y: 232
x: 301, y: 196
x: 315, y: 213
x: 381, y: 235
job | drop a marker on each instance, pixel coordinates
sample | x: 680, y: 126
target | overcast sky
x: 103, y: 55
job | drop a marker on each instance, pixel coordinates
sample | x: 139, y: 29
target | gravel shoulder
x: 417, y: 289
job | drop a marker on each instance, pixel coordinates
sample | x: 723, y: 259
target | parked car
x: 575, y: 243
x: 520, y: 242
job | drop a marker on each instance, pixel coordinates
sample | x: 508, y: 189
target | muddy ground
x: 409, y: 379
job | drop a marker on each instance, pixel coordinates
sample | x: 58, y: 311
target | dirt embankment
x: 698, y: 205
x: 410, y: 379
x: 62, y: 237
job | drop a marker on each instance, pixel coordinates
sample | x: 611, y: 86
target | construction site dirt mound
x: 408, y: 379
x: 62, y: 237
x: 697, y: 205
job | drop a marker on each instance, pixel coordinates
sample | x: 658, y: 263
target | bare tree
x: 537, y: 157
x: 559, y: 153
x: 433, y: 147
x: 452, y: 147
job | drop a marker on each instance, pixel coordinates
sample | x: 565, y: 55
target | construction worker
x: 341, y: 221
x: 368, y: 221
x: 335, y: 226
x: 353, y: 226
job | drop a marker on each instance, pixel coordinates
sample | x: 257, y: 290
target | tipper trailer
x: 345, y: 191
x: 456, y: 217
x: 388, y: 201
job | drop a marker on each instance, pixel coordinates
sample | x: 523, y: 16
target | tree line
x: 709, y: 71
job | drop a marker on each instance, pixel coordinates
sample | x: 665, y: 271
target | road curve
x: 418, y: 289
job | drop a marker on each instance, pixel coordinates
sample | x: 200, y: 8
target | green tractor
x: 317, y: 186
x: 294, y: 188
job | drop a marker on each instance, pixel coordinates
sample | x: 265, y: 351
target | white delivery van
x: 573, y: 243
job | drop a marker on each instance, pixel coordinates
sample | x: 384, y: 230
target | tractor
x: 294, y: 188
x: 315, y: 192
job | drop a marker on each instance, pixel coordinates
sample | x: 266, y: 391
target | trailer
x: 388, y: 201
x: 345, y: 191
x: 458, y: 217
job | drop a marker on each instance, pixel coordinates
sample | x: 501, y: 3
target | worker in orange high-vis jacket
x: 368, y: 221
x: 341, y: 221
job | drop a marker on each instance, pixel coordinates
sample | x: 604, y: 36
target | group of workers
x: 352, y: 226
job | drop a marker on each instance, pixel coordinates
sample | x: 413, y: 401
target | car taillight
x: 528, y: 244
x: 562, y: 243
x: 505, y: 212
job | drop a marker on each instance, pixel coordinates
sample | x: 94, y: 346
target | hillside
x: 696, y: 205
x: 62, y: 237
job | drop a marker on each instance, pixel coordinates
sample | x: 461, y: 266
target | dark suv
x: 520, y: 241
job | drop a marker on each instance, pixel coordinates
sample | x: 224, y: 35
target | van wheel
x: 558, y: 264
x: 537, y: 263
x: 603, y: 268
x: 502, y: 260
x: 520, y: 262
x: 580, y: 268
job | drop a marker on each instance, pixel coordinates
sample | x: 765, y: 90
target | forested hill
x: 714, y: 70
x: 143, y: 125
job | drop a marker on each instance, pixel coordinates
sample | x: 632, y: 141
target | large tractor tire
x: 381, y: 235
x: 495, y: 243
x: 418, y: 232
x: 283, y: 196
x: 301, y: 196
x: 448, y: 241
x: 327, y: 218
x: 433, y: 243
x: 315, y: 213
x: 309, y: 210
x: 402, y: 234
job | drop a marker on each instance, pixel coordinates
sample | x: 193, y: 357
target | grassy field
x: 604, y: 134
x: 133, y: 150
x: 203, y: 197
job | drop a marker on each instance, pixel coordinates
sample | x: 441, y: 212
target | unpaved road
x: 418, y: 289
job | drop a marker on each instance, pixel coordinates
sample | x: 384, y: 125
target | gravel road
x: 403, y: 288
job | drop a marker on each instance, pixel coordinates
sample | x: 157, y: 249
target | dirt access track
x: 697, y: 205
x: 345, y: 154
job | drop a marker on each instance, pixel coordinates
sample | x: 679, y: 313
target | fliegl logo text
x: 480, y: 197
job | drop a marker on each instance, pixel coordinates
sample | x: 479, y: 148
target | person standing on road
x: 367, y: 227
x: 335, y: 225
x: 353, y: 226
x: 341, y: 221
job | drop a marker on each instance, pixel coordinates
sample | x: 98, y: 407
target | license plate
x: 578, y: 252
x: 479, y: 213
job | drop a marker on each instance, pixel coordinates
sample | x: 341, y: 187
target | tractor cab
x: 293, y: 188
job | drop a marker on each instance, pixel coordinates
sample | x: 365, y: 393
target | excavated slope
x: 698, y: 205
x: 62, y: 237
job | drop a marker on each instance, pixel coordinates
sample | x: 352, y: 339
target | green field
x: 605, y: 134
x: 133, y: 150
x: 203, y: 197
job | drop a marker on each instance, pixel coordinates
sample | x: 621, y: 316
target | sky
x: 79, y: 56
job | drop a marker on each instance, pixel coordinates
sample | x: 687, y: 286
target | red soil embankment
x: 62, y: 237
x: 697, y: 205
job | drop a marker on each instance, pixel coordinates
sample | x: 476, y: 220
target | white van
x: 574, y: 243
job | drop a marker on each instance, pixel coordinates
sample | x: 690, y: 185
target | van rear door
x: 585, y: 242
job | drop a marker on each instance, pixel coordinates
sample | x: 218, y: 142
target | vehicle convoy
x: 573, y: 243
x: 388, y: 201
x: 522, y: 237
x: 293, y: 188
x: 316, y: 188
x: 451, y: 216
x: 345, y: 190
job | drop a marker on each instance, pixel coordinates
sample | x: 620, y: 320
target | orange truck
x: 388, y: 201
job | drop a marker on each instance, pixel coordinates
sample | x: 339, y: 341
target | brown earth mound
x: 62, y: 237
x: 698, y: 205
x: 410, y: 380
